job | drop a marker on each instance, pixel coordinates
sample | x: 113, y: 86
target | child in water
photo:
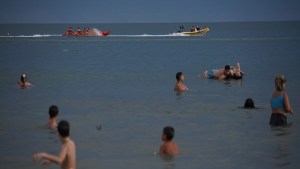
x: 53, y: 113
x: 169, y: 147
x: 67, y: 156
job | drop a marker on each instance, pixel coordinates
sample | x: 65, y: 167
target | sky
x: 147, y: 11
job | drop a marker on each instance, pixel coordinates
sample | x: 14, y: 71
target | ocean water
x: 125, y: 82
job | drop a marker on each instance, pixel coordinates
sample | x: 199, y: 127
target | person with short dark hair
x: 180, y: 86
x: 67, y: 156
x: 169, y: 147
x: 280, y: 103
x: 249, y: 104
x: 53, y: 113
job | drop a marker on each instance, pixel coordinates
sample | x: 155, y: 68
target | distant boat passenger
x: 78, y: 31
x: 192, y: 29
x: 70, y: 31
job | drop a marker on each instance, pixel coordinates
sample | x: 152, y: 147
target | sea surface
x: 124, y: 83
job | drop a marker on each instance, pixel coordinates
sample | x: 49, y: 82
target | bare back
x: 169, y: 148
x: 70, y: 159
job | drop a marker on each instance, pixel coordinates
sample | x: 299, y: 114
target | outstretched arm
x: 52, y: 158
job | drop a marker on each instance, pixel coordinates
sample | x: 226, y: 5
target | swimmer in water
x: 280, y: 103
x: 180, y: 86
x: 228, y: 72
x: 249, y: 104
x: 169, y: 147
x: 53, y: 113
x: 24, y: 82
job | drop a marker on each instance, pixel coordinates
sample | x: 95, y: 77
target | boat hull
x: 200, y: 32
x: 105, y: 33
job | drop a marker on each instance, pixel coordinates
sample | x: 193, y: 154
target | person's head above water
x: 168, y: 133
x: 23, y: 78
x: 53, y: 111
x: 227, y: 70
x: 227, y: 67
x: 179, y: 76
x: 249, y: 104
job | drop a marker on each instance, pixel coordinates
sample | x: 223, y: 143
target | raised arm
x: 238, y: 67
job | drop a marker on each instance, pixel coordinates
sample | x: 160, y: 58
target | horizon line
x: 148, y: 22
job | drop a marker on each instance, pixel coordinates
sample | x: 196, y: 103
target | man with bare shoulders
x: 67, y: 156
x: 169, y: 147
x: 180, y: 86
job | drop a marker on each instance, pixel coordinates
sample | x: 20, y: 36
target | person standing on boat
x: 192, y: 29
x: 280, y: 103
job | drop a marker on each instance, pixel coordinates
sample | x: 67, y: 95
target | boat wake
x: 29, y: 36
x: 97, y: 31
x: 150, y: 35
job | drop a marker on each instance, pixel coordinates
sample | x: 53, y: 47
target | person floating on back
x: 53, y: 113
x: 24, y: 83
x: 228, y: 72
x: 67, y: 156
x: 280, y: 103
x: 179, y: 86
x: 169, y: 147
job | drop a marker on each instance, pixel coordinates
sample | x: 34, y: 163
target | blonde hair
x: 279, y: 81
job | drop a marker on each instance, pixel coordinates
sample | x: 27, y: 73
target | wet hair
x: 169, y: 132
x: 249, y: 104
x: 279, y: 81
x: 227, y: 67
x: 63, y: 128
x: 23, y: 78
x: 178, y: 75
x: 53, y: 111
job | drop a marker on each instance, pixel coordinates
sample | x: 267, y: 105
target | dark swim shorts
x: 278, y: 119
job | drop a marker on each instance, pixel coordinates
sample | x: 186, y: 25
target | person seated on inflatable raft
x: 228, y: 72
x: 69, y: 31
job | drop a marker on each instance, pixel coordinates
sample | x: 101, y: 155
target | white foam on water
x: 30, y: 36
